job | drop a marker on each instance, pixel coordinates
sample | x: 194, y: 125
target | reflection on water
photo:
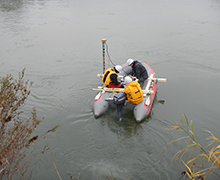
x: 11, y: 5
x: 123, y: 126
x: 17, y: 5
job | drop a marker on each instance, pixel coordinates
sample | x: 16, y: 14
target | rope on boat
x: 109, y: 55
x: 104, y: 44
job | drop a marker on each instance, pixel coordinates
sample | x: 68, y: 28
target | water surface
x: 59, y: 44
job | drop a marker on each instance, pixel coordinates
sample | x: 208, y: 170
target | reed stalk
x: 205, y: 155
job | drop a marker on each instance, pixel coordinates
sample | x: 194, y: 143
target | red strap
x: 114, y: 86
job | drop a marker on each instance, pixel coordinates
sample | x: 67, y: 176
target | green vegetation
x: 209, y: 155
x: 16, y: 132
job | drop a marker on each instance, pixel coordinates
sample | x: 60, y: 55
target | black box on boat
x: 119, y: 98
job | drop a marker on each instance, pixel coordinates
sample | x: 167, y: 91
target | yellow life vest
x: 106, y: 77
x: 134, y: 92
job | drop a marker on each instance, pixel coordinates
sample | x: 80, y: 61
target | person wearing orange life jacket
x: 133, y: 91
x: 110, y: 77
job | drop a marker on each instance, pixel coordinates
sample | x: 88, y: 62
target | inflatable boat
x: 105, y: 98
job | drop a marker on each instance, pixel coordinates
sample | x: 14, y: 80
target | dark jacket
x: 139, y: 71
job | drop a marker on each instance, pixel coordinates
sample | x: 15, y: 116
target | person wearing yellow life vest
x: 133, y: 91
x: 110, y: 77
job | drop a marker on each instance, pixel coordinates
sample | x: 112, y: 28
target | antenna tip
x: 104, y: 40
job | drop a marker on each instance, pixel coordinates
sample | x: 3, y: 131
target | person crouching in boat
x: 139, y: 71
x: 110, y: 77
x: 133, y: 91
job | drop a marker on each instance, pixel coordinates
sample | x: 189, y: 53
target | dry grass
x: 16, y: 133
x: 208, y: 156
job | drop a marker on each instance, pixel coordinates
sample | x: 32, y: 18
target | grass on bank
x: 209, y: 156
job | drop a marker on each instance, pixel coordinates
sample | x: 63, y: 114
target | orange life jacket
x: 106, y: 77
x: 134, y: 92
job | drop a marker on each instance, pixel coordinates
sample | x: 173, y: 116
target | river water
x: 59, y: 44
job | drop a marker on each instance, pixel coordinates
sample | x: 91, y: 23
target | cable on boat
x: 109, y: 56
